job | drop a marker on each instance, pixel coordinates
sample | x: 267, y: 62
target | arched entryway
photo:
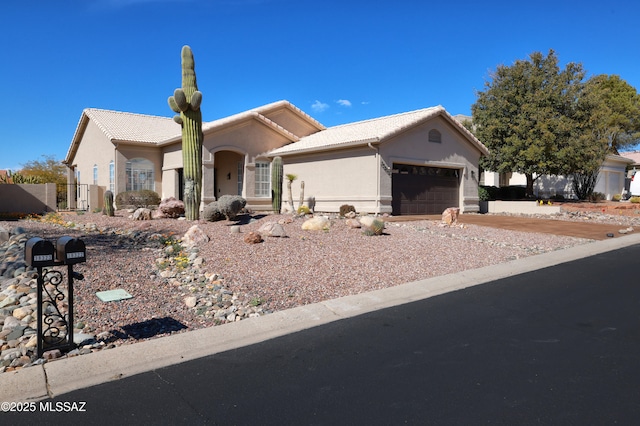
x: 228, y: 173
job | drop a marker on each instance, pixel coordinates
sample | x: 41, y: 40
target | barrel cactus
x: 108, y: 204
x: 186, y: 103
x: 276, y: 184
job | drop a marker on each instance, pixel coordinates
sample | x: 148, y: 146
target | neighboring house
x: 611, y: 177
x: 417, y: 162
x: 610, y: 181
x: 634, y: 156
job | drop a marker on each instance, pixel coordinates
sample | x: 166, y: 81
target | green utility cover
x: 113, y: 295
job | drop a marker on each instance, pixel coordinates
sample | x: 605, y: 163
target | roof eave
x: 325, y: 148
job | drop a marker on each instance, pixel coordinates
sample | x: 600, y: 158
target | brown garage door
x: 424, y: 190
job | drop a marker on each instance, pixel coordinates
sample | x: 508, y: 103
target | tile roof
x: 369, y: 131
x: 130, y: 127
x: 632, y: 155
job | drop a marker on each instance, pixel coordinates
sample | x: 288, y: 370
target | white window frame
x: 263, y: 179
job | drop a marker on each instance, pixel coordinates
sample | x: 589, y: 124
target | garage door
x: 424, y: 190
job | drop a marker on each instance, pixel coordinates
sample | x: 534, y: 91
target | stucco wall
x: 28, y: 198
x: 336, y: 178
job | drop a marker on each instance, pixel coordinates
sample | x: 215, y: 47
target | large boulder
x: 316, y: 223
x: 171, y: 208
x: 450, y: 215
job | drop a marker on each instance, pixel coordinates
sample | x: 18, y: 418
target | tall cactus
x: 108, y: 204
x: 276, y: 184
x: 186, y: 102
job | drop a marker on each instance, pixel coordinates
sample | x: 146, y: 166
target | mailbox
x: 39, y: 252
x: 70, y: 250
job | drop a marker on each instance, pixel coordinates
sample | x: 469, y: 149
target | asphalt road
x: 559, y: 346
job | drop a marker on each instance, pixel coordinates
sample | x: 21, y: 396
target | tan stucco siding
x: 454, y: 151
x: 335, y: 178
x: 95, y: 149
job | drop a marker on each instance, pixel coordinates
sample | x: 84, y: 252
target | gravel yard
x: 279, y: 273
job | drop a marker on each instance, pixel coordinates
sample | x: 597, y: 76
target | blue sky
x: 340, y: 61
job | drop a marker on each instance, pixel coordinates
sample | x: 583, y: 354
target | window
x: 140, y: 175
x: 435, y: 136
x: 262, y: 180
x: 112, y: 172
x: 95, y: 174
x: 240, y: 176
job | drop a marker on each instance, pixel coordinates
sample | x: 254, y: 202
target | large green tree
x: 529, y: 116
x: 615, y: 111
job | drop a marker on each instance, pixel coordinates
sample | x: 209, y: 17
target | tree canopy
x: 530, y: 115
x: 615, y: 111
x: 47, y: 170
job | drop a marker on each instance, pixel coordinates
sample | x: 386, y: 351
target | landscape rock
x: 142, y: 214
x: 171, y: 208
x: 191, y: 301
x: 194, y: 236
x: 272, y: 229
x: 316, y: 223
x: 353, y: 223
x: 450, y: 216
x: 253, y: 238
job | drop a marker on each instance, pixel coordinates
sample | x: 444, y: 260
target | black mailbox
x: 71, y: 250
x: 39, y: 252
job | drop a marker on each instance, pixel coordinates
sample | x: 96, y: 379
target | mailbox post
x: 55, y: 330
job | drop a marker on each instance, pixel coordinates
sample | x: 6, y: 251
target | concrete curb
x: 56, y: 378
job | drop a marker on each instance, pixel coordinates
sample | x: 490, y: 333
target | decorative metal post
x: 55, y: 329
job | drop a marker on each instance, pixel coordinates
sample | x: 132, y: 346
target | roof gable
x: 372, y: 131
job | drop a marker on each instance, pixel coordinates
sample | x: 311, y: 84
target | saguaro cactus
x: 108, y: 203
x: 276, y: 184
x: 186, y: 102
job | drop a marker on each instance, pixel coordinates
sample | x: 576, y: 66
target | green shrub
x: 137, y: 199
x: 346, y: 208
x: 483, y: 194
x: 491, y: 192
x: 616, y: 197
x: 634, y: 200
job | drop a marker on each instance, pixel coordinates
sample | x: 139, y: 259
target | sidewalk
x: 56, y: 378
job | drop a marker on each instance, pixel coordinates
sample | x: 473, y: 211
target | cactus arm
x: 196, y: 100
x: 173, y: 105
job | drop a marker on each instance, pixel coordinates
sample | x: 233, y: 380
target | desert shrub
x: 616, y: 197
x: 491, y: 192
x: 303, y: 210
x: 346, y: 208
x: 596, y: 197
x: 634, y: 200
x: 228, y: 206
x: 137, y: 199
x: 376, y: 228
x: 483, y: 194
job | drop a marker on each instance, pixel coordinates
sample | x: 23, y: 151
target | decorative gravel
x: 279, y: 273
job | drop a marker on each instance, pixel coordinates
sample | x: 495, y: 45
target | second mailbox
x: 70, y: 250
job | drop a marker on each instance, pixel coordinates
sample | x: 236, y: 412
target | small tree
x: 290, y: 179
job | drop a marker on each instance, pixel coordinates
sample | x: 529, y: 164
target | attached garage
x: 423, y: 189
